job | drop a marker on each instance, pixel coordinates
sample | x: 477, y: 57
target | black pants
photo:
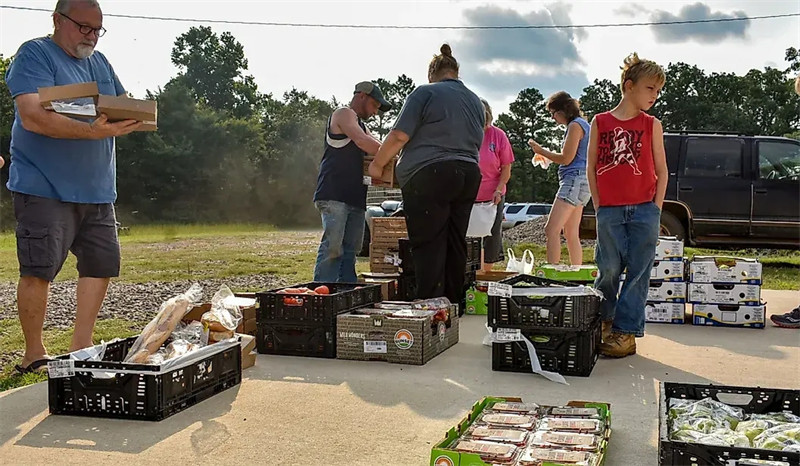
x: 437, y: 202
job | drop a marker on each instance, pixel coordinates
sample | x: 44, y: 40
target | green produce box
x: 442, y: 455
x: 477, y: 300
x: 578, y: 273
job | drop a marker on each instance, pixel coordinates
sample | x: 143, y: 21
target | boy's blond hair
x: 635, y: 68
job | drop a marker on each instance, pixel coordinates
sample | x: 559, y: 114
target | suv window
x: 713, y: 157
x: 778, y: 160
x: 513, y: 209
x: 538, y: 210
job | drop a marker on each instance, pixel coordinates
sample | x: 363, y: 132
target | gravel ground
x: 129, y: 301
x: 533, y: 232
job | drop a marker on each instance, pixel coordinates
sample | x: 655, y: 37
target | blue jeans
x: 343, y: 232
x: 626, y: 239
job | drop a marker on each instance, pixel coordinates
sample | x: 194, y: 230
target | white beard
x: 84, y: 51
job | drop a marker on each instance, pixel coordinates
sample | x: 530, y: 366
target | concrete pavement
x: 304, y: 411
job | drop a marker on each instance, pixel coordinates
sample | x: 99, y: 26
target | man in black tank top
x: 341, y: 195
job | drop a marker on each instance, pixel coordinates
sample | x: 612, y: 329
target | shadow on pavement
x: 127, y: 436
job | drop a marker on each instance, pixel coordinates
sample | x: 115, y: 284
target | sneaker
x: 606, y: 330
x: 618, y: 345
x: 789, y: 320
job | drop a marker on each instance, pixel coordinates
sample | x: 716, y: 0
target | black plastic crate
x: 752, y: 400
x: 407, y: 286
x: 142, y: 391
x: 306, y: 309
x: 566, y: 352
x: 317, y: 341
x: 407, y: 258
x: 527, y: 312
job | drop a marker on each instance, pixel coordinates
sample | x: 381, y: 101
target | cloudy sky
x: 497, y: 64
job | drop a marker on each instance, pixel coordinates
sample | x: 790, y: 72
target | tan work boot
x: 606, y: 330
x: 618, y: 345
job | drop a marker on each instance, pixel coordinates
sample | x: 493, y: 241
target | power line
x: 388, y: 26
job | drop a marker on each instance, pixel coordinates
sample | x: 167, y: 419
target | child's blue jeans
x: 626, y: 239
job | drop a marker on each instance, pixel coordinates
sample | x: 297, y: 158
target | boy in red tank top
x: 627, y: 172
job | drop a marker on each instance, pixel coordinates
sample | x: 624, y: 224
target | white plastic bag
x: 520, y: 266
x: 481, y: 219
x: 541, y: 162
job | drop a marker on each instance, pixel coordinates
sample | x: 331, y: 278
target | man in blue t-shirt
x: 63, y: 175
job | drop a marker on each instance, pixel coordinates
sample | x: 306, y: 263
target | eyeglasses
x: 86, y: 30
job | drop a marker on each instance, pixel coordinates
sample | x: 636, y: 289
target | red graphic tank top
x: 625, y: 169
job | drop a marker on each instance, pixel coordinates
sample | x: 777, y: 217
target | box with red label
x: 380, y: 335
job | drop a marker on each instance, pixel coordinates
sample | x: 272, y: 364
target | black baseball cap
x: 372, y: 90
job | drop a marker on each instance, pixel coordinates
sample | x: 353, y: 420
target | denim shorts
x: 573, y: 188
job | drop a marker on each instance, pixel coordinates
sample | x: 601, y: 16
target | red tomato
x: 322, y: 289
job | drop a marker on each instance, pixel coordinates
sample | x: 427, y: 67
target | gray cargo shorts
x: 47, y: 229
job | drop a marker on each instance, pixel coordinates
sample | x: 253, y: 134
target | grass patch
x: 56, y: 341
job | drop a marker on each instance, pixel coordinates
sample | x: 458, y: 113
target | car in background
x: 517, y: 213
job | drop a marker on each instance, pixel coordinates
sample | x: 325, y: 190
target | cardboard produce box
x: 669, y: 248
x: 387, y: 180
x: 91, y: 104
x: 394, y: 339
x: 445, y: 452
x: 248, y: 350
x: 387, y: 281
x: 729, y: 315
x: 669, y: 313
x: 723, y: 269
x: 570, y: 273
x: 673, y: 292
x: 724, y: 293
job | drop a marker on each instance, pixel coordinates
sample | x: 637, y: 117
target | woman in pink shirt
x: 496, y: 157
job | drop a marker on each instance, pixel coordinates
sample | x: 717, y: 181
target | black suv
x: 729, y: 189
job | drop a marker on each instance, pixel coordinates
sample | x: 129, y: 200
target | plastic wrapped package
x: 775, y: 417
x: 783, y: 437
x: 752, y: 428
x: 571, y: 424
x: 506, y: 420
x: 720, y: 437
x: 570, y: 411
x: 566, y: 441
x: 223, y: 318
x: 708, y: 408
x: 160, y: 328
x: 498, y: 453
x: 540, y: 456
x: 490, y: 434
x: 192, y: 332
x: 512, y: 407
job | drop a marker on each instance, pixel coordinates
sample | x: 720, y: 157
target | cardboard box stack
x: 666, y: 297
x: 506, y: 431
x: 397, y: 332
x: 726, y: 291
x: 384, y: 251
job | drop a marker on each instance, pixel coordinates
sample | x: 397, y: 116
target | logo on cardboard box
x: 443, y: 461
x: 404, y: 339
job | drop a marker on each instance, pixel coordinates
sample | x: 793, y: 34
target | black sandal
x: 35, y: 366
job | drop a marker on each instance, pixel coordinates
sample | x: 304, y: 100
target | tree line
x: 224, y: 152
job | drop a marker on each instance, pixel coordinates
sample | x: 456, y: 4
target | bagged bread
x: 224, y: 316
x: 160, y: 328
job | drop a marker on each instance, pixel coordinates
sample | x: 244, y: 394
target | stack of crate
x: 726, y: 291
x: 384, y: 252
x: 305, y: 324
x: 560, y: 319
x: 666, y: 297
x: 407, y: 282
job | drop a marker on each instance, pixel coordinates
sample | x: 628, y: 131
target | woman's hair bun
x: 446, y: 51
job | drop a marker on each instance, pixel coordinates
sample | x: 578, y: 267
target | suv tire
x: 672, y: 226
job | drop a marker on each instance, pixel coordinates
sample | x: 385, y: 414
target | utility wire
x: 388, y: 26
